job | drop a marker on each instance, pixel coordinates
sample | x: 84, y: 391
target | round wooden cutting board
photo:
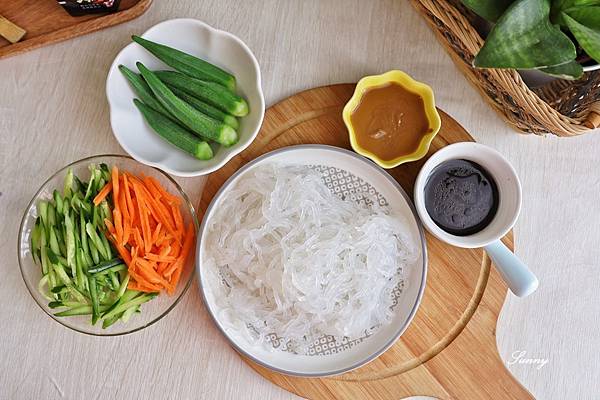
x: 449, y: 351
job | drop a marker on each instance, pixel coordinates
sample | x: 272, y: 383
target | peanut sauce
x: 390, y: 121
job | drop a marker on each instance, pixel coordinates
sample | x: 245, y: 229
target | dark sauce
x: 461, y: 197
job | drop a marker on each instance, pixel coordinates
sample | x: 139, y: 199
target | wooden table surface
x: 53, y: 110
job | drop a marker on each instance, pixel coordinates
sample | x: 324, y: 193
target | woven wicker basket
x: 563, y: 108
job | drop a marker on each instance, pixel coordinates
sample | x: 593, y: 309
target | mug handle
x: 520, y: 280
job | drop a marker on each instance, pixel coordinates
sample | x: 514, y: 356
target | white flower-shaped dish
x: 199, y: 39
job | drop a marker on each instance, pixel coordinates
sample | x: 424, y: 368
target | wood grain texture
x: 47, y: 22
x: 10, y: 31
x: 463, y: 295
x: 53, y: 111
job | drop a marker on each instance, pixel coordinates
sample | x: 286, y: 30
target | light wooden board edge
x: 428, y: 374
x: 69, y: 32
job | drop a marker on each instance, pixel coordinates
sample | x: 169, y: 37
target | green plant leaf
x: 588, y: 38
x: 488, y: 9
x: 563, y: 5
x: 585, y: 3
x: 570, y: 70
x: 524, y: 38
x: 588, y: 16
x: 560, y: 6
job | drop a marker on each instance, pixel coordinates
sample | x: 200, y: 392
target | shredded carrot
x: 126, y: 232
x: 111, y: 234
x: 139, y: 282
x: 146, y: 269
x: 176, y: 249
x: 122, y: 205
x: 156, y: 233
x: 187, y: 245
x: 152, y: 225
x: 161, y: 238
x: 118, y: 225
x: 134, y: 255
x: 148, y: 231
x: 122, y: 202
x: 161, y: 214
x: 125, y: 255
x: 164, y: 250
x: 134, y: 285
x: 142, y: 212
x: 174, y: 280
x: 168, y: 196
x: 138, y: 238
x: 131, y: 242
x: 159, y: 258
x: 162, y: 266
x: 115, y: 182
x: 152, y: 189
x: 128, y: 200
x: 102, y: 193
x: 178, y: 219
x: 109, y: 225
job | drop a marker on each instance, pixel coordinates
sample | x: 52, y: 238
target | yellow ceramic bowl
x: 409, y: 84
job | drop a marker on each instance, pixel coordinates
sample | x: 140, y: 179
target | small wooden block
x: 13, y: 33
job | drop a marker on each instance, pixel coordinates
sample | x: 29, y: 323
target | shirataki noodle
x: 299, y: 261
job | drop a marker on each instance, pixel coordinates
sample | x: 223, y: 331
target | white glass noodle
x: 382, y: 338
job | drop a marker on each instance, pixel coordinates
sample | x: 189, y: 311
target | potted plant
x: 560, y: 38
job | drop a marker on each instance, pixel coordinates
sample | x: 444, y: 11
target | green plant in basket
x: 545, y: 35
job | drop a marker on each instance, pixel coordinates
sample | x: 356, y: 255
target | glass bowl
x: 151, y: 311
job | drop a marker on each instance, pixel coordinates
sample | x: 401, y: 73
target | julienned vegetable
x: 174, y: 133
x: 80, y: 273
x: 148, y: 232
x: 209, y: 92
x: 188, y: 64
x: 197, y: 122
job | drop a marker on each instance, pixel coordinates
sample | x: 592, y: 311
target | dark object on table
x: 461, y: 197
x: 82, y: 7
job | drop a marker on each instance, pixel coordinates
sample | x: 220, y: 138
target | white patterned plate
x: 353, y: 177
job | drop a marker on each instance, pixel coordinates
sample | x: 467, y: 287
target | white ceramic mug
x: 521, y: 281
